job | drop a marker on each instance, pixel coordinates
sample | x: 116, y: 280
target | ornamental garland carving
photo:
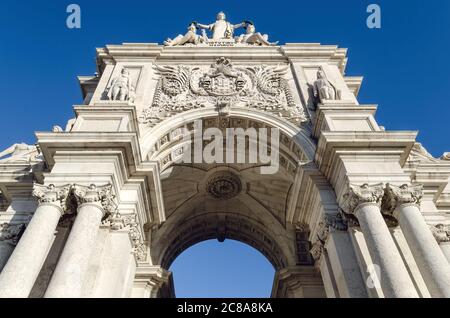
x: 222, y: 86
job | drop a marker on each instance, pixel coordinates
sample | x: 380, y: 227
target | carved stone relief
x: 222, y: 86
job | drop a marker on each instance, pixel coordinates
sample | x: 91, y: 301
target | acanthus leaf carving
x: 397, y: 195
x: 358, y: 195
x: 52, y: 194
x: 96, y: 194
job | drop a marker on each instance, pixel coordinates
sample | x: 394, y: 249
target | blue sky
x: 405, y: 65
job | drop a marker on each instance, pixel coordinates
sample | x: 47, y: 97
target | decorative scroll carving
x: 395, y: 196
x: 52, y: 194
x: 94, y: 194
x: 182, y: 88
x: 11, y: 233
x: 362, y: 194
x: 117, y: 222
x: 329, y: 222
x: 441, y: 232
x: 224, y: 185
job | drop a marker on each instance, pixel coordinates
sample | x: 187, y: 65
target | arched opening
x: 222, y: 269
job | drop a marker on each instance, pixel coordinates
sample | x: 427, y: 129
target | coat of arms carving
x: 223, y: 86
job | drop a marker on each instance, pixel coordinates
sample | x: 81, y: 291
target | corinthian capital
x: 102, y: 195
x: 397, y: 195
x: 358, y: 195
x: 51, y: 194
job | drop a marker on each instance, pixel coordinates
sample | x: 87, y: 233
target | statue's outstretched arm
x: 204, y: 26
x: 240, y: 25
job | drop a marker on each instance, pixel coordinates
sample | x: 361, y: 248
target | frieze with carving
x: 222, y: 86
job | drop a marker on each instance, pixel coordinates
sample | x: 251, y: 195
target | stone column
x: 23, y: 267
x: 70, y: 272
x: 364, y: 202
x: 441, y: 233
x: 403, y: 203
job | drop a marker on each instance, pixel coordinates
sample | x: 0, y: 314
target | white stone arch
x: 299, y: 135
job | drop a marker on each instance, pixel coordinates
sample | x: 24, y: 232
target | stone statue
x: 446, y: 156
x: 252, y: 37
x: 190, y: 37
x: 19, y: 153
x: 221, y: 29
x: 120, y: 87
x: 323, y: 89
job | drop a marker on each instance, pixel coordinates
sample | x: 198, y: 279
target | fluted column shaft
x: 71, y: 270
x: 364, y: 202
x: 430, y: 259
x: 19, y: 274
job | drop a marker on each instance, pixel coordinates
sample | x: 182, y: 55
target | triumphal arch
x: 221, y: 133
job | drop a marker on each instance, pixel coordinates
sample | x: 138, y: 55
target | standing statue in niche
x: 120, y: 87
x: 221, y: 29
x: 252, y: 37
x: 190, y: 37
x: 323, y: 89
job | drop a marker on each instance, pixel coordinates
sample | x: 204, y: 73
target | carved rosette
x: 92, y: 194
x: 11, y: 233
x: 441, y: 233
x: 358, y: 195
x: 52, y: 194
x: 224, y: 185
x: 396, y: 196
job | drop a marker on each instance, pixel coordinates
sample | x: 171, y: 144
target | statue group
x: 221, y: 30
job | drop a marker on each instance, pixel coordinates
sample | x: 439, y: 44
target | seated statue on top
x: 190, y: 37
x: 252, y: 37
